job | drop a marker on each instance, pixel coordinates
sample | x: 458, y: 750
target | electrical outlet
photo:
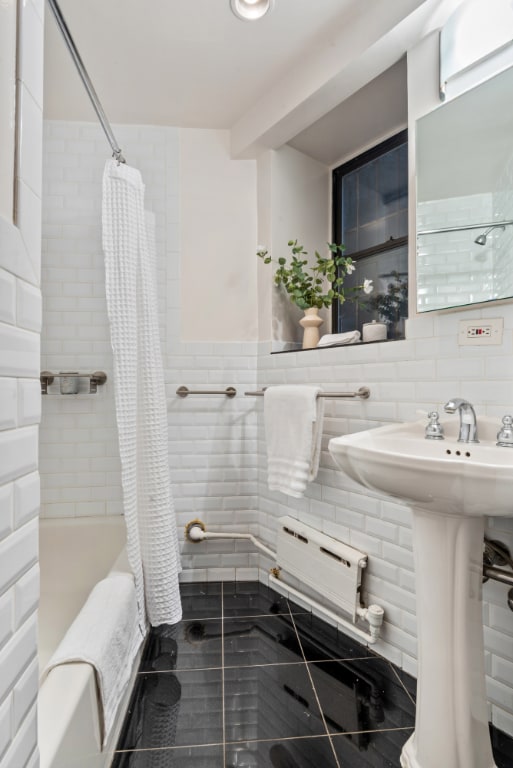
x: 484, y: 331
x: 474, y: 331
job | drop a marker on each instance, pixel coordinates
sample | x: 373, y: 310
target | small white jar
x: 374, y: 331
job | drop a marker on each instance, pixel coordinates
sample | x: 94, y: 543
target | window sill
x: 334, y: 346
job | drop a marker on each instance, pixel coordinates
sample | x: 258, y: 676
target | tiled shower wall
x: 503, y: 201
x: 451, y: 264
x: 217, y: 452
x: 20, y: 323
x: 212, y: 441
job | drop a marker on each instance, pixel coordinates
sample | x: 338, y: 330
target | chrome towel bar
x: 363, y: 392
x: 185, y: 391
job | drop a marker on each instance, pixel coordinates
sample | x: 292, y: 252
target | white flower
x: 261, y: 248
x: 350, y: 268
x: 367, y: 286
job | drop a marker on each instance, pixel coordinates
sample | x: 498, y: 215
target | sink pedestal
x: 451, y: 728
x: 451, y: 487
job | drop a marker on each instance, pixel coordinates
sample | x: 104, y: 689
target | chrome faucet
x: 468, y: 424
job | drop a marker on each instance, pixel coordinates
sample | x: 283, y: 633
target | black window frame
x: 338, y: 174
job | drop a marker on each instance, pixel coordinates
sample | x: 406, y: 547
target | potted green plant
x: 313, y: 286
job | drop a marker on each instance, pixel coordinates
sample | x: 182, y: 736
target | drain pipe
x: 195, y: 531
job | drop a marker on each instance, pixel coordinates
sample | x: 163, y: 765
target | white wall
x: 421, y: 372
x: 503, y: 206
x: 20, y: 322
x: 450, y: 266
x: 212, y: 440
x: 264, y: 279
x: 218, y: 202
x: 79, y: 456
x: 217, y: 450
x: 298, y: 210
x: 8, y: 11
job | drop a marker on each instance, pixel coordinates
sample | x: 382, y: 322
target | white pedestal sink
x: 450, y: 488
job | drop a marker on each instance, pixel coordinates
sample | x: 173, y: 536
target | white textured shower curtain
x: 141, y: 412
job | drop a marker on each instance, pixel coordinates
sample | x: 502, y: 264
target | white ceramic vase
x: 311, y: 322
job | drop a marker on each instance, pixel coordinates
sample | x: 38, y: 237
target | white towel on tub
x: 106, y: 635
x: 293, y: 417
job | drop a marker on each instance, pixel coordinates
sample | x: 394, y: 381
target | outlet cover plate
x: 481, y: 331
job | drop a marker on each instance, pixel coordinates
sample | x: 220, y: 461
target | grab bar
x: 363, y: 392
x: 185, y: 391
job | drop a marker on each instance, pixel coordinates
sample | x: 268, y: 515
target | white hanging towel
x: 141, y: 411
x: 106, y: 635
x: 293, y: 418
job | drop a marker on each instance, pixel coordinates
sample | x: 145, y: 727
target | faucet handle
x: 434, y: 430
x: 505, y: 434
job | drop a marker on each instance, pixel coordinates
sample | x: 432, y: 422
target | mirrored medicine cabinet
x: 464, y: 157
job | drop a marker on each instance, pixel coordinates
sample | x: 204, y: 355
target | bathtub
x: 75, y: 553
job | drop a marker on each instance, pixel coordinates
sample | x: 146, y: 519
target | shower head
x: 481, y: 239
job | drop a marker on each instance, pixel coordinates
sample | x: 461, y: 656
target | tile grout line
x: 314, y: 688
x: 222, y: 677
x: 403, y: 685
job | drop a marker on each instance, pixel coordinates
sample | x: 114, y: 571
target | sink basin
x: 470, y: 479
x: 450, y: 488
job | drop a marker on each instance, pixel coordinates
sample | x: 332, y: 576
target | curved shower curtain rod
x: 72, y: 48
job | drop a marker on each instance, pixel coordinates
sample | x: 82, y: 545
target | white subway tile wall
x: 482, y: 272
x: 20, y: 323
x: 504, y: 212
x: 406, y: 378
x: 212, y: 440
x: 216, y: 445
x: 451, y: 265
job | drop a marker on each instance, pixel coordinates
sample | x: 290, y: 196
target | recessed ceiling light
x: 250, y: 10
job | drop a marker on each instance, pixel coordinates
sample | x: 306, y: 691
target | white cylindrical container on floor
x: 374, y: 331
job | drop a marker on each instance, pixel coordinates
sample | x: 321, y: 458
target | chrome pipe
x: 72, y: 48
x: 497, y: 574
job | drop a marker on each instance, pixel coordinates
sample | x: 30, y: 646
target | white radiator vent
x: 330, y: 567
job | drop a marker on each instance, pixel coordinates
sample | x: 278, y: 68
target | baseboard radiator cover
x: 320, y: 563
x: 324, y: 564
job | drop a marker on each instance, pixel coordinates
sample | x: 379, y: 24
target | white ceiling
x: 192, y: 63
x: 375, y: 112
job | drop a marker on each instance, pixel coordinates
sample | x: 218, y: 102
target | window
x: 370, y: 217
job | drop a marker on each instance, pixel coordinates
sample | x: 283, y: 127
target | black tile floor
x: 249, y: 680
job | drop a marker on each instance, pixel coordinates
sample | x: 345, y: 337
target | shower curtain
x: 152, y: 542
